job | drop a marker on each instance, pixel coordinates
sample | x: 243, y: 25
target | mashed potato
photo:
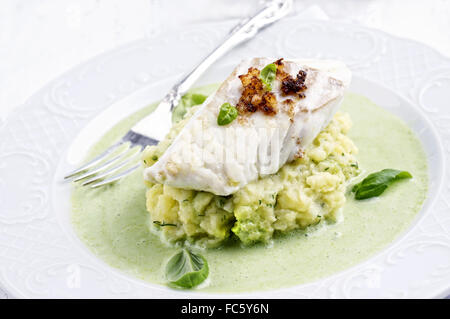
x: 303, y: 193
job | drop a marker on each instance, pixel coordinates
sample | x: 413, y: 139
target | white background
x: 40, y: 39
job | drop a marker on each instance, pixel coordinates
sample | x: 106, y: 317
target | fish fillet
x: 222, y: 159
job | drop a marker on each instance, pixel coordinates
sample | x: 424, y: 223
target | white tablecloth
x: 41, y: 39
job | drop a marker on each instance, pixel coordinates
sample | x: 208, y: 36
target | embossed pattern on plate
x: 39, y: 259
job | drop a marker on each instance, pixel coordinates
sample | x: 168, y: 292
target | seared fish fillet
x: 222, y: 159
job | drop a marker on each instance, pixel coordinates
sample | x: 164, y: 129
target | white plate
x: 41, y: 257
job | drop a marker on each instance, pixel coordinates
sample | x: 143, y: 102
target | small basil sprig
x: 187, y: 101
x: 376, y: 183
x: 186, y: 269
x: 268, y: 74
x: 227, y: 114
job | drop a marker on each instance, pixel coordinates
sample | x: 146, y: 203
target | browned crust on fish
x: 289, y: 85
x: 254, y: 96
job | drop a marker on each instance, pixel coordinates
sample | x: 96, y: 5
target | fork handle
x: 245, y: 30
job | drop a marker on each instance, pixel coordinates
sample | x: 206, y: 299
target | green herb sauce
x: 113, y: 223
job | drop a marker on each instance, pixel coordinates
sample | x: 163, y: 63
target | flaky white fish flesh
x: 222, y: 159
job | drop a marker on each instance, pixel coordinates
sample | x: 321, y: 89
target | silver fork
x: 108, y: 166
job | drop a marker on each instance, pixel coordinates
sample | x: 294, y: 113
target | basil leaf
x: 186, y: 269
x: 376, y: 183
x: 268, y: 74
x: 187, y: 101
x: 227, y: 114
